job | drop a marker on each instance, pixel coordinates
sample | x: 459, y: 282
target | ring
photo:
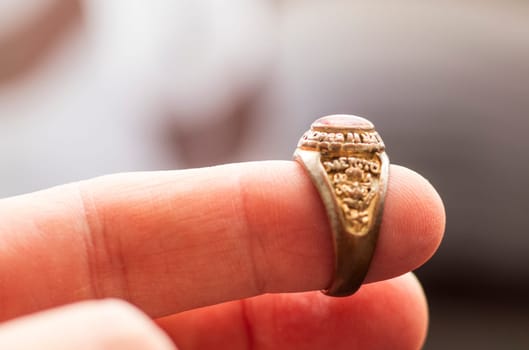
x: 347, y: 164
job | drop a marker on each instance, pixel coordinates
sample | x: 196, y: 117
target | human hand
x: 173, y: 242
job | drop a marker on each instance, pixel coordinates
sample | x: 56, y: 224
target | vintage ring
x: 347, y: 164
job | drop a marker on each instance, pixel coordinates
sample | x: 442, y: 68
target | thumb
x: 107, y: 324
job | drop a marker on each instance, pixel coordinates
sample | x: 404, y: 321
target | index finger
x: 171, y: 241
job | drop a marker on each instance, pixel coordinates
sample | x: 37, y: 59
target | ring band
x: 346, y: 160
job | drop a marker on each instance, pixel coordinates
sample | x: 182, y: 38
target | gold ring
x: 347, y: 164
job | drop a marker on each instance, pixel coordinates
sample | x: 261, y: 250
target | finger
x: 385, y: 315
x: 109, y: 325
x: 171, y: 241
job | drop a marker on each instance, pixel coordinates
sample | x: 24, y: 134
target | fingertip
x: 430, y: 216
x: 415, y: 310
x: 412, y: 227
x: 409, y: 310
x: 389, y: 314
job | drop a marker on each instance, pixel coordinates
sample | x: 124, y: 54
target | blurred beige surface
x: 134, y: 85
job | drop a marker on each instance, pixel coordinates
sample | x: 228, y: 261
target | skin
x: 197, y: 251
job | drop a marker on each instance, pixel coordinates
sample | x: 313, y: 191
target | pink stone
x: 342, y: 122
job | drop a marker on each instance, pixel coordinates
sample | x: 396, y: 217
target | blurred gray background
x: 95, y: 87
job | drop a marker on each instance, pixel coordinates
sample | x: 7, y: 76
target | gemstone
x: 343, y: 122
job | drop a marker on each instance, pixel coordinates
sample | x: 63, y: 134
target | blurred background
x: 95, y: 87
